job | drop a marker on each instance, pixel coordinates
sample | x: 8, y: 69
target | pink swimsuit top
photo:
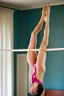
x: 34, y: 79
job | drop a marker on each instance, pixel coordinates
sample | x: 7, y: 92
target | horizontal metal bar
x: 25, y: 50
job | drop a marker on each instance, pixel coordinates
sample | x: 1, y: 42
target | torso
x: 33, y: 78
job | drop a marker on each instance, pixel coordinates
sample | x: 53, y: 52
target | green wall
x: 28, y: 21
x: 24, y: 23
x: 54, y: 76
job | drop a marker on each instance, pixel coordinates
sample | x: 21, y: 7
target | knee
x: 45, y: 43
x: 33, y: 34
x: 42, y: 68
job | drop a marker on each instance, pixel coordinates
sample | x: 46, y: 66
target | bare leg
x: 31, y: 55
x: 41, y: 59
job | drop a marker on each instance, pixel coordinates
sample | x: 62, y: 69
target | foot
x: 48, y: 9
x: 46, y: 12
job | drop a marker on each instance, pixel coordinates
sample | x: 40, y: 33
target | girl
x: 38, y: 62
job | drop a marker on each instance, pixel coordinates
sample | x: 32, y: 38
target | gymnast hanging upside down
x: 38, y: 62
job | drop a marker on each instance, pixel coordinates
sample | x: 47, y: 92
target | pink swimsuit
x: 34, y: 79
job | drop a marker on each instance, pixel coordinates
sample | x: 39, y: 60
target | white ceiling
x: 29, y: 4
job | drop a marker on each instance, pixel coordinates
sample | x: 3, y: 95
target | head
x: 37, y: 90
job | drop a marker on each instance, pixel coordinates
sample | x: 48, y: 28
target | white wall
x: 22, y: 75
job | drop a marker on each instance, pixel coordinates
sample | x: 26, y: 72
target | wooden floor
x: 54, y: 92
